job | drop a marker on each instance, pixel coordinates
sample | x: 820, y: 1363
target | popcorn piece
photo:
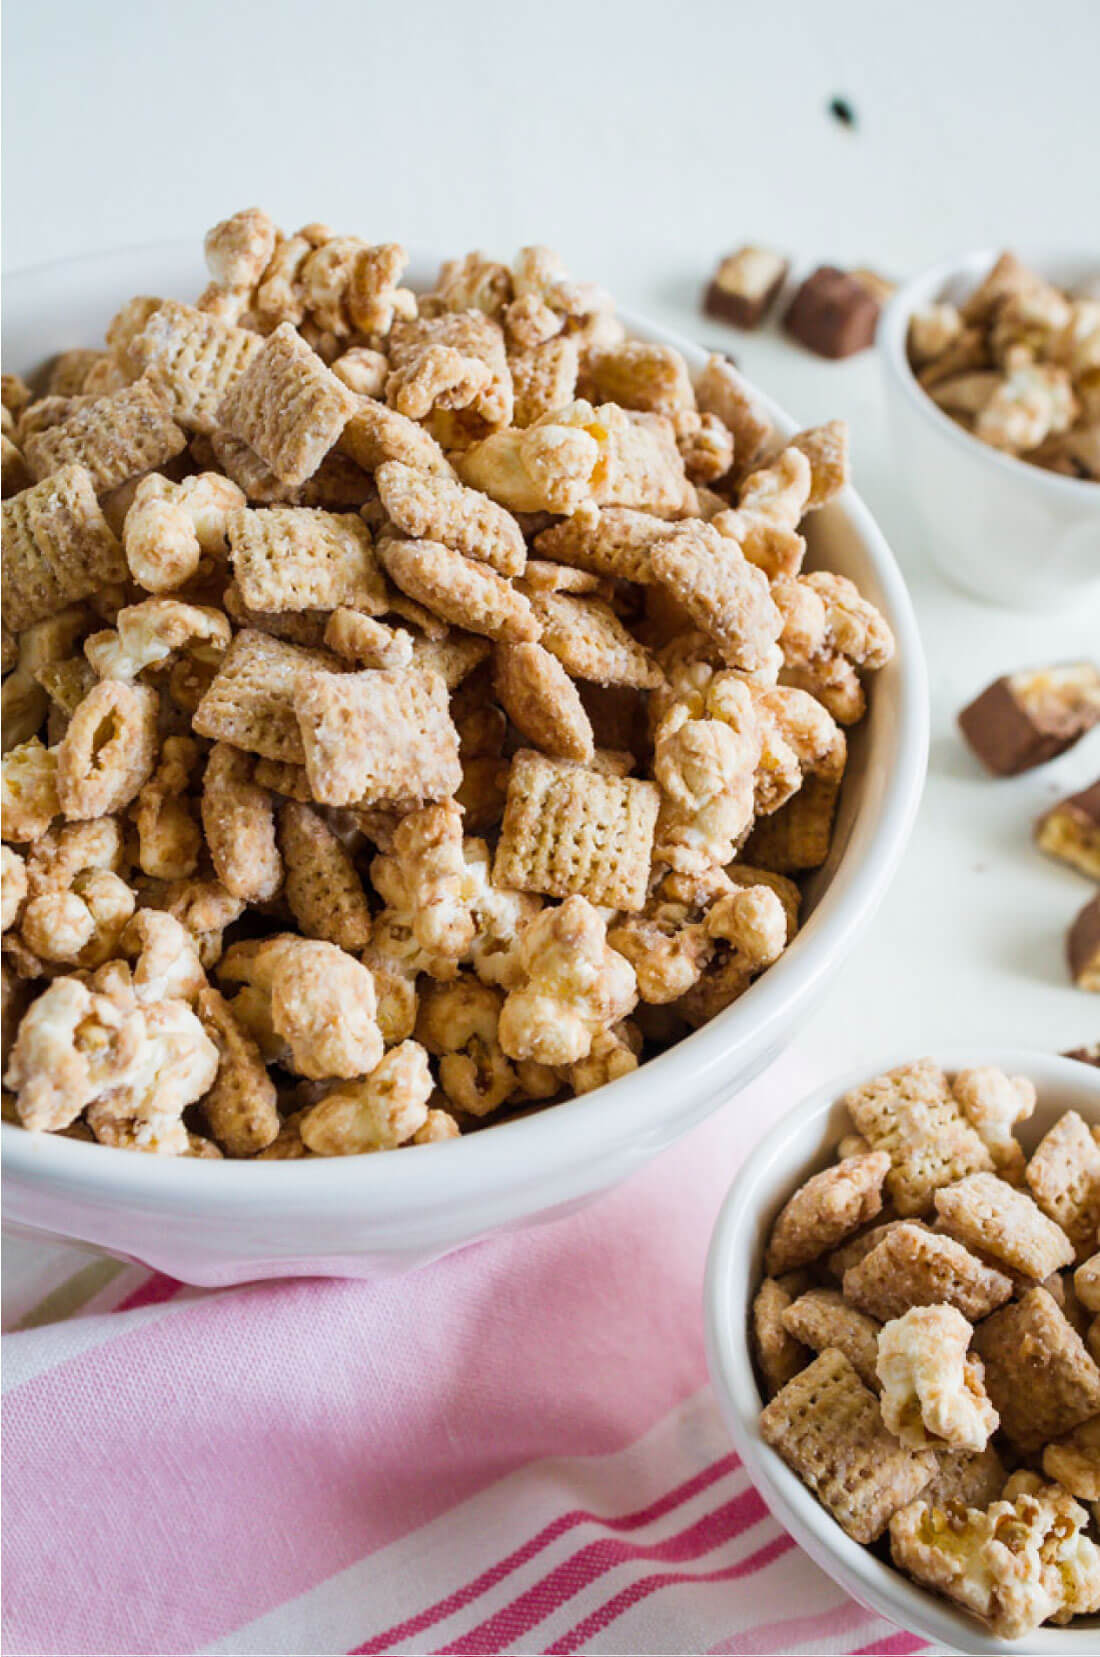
x: 1014, y: 1565
x: 170, y: 526
x: 14, y: 887
x: 821, y: 1318
x: 77, y: 904
x: 109, y: 749
x: 826, y: 449
x: 377, y: 736
x: 469, y: 335
x: 377, y: 1114
x: 297, y: 558
x: 288, y: 407
x: 706, y: 768
x: 239, y: 820
x: 1031, y: 402
x: 238, y: 249
x: 753, y: 921
x: 368, y: 643
x: 542, y: 701
x: 591, y: 642
x: 644, y: 467
x: 611, y: 540
x: 1064, y: 1178
x: 828, y: 631
x: 1086, y: 1282
x: 706, y: 448
x: 114, y: 437
x: 569, y: 830
x: 192, y: 360
x: 573, y: 985
x: 472, y: 596
x: 362, y: 370
x: 458, y: 1023
x: 425, y: 881
x: 772, y: 501
x: 825, y: 1209
x: 931, y: 332
x: 29, y: 790
x: 322, y: 1004
x: 438, y: 1125
x: 438, y: 377
x: 910, y: 1113
x: 250, y: 702
x: 668, y: 950
x: 724, y: 594
x: 908, y: 1265
x: 204, y: 907
x: 779, y: 1355
x: 552, y: 465
x: 432, y: 508
x: 614, y: 1053
x: 169, y: 838
x: 931, y: 1391
x: 58, y: 547
x: 994, y: 1103
x: 376, y: 434
x: 1039, y: 1374
x: 827, y: 1427
x: 166, y: 965
x: 1005, y: 1225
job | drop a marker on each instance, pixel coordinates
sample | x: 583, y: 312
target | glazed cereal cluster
x: 1017, y: 364
x: 417, y: 707
x: 928, y: 1337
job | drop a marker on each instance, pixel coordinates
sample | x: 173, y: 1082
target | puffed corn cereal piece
x: 573, y: 986
x: 238, y: 818
x: 58, y: 547
x: 377, y: 1114
x: 288, y: 406
x: 109, y: 749
x: 115, y: 437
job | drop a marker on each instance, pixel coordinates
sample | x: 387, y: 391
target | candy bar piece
x: 1070, y: 830
x: 377, y: 736
x: 288, y: 406
x: 827, y: 1427
x: 1024, y: 719
x: 994, y: 1219
x: 250, y: 701
x: 832, y: 314
x: 1083, y: 948
x: 913, y: 1266
x: 1038, y: 1371
x: 745, y: 285
x: 568, y: 829
x: 1064, y: 1178
x: 58, y: 548
x: 1085, y: 1055
x: 115, y: 437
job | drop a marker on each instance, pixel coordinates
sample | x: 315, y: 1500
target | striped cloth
x: 513, y: 1450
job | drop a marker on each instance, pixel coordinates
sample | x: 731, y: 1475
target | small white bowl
x: 800, y: 1144
x: 216, y: 1223
x: 998, y: 526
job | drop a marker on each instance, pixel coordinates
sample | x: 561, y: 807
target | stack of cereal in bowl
x: 418, y: 710
x: 924, y: 1323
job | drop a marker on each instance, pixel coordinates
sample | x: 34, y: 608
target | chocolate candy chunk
x: 1085, y: 1055
x: 1024, y: 719
x: 744, y: 286
x: 832, y: 314
x: 1071, y: 830
x: 1083, y: 948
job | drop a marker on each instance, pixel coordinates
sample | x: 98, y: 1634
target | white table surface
x: 643, y: 140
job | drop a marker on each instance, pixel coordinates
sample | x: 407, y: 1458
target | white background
x: 644, y: 139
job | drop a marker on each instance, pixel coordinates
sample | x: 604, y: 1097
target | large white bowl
x: 804, y: 1141
x: 998, y: 526
x: 215, y: 1223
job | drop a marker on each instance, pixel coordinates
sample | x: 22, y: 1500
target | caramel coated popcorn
x: 394, y: 685
x: 953, y: 1349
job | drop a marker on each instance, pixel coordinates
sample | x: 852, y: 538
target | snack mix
x: 928, y: 1339
x: 1017, y: 363
x: 416, y: 710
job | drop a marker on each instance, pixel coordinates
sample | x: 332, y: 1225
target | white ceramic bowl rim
x: 636, y: 1103
x: 735, y: 1239
x: 925, y: 288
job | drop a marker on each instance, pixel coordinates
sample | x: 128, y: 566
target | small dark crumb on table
x: 841, y: 110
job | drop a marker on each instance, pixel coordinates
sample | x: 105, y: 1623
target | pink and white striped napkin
x: 514, y: 1450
